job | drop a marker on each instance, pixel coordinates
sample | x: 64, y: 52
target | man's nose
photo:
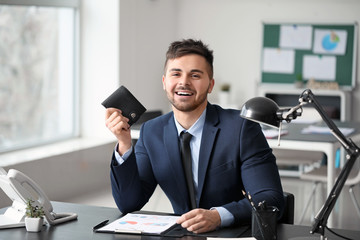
x: 184, y: 80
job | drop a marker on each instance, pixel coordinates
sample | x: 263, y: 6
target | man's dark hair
x: 190, y: 46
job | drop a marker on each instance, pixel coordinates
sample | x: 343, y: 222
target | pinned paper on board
x: 319, y: 67
x: 330, y: 41
x: 277, y: 60
x: 296, y: 36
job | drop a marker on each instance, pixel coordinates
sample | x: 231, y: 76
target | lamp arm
x: 309, y: 97
x: 353, y: 153
x: 324, y: 213
x: 290, y: 114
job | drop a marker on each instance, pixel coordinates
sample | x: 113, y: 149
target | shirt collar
x: 196, y: 128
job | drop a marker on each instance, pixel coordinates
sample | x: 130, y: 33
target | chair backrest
x: 150, y: 114
x: 143, y: 118
x: 288, y: 214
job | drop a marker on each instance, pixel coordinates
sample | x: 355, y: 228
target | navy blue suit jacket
x: 234, y: 155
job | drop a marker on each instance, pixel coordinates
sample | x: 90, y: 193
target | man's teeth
x: 184, y: 94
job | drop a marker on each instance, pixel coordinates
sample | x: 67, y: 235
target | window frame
x: 75, y: 4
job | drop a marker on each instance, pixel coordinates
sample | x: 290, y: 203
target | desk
x: 89, y: 216
x: 328, y: 144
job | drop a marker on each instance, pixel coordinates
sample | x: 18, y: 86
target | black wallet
x: 123, y: 99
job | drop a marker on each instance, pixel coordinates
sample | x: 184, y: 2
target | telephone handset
x: 19, y: 189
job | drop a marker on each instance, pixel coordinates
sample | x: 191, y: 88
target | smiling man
x: 187, y: 82
x: 228, y: 153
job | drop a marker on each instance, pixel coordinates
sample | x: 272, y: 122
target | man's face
x: 187, y: 82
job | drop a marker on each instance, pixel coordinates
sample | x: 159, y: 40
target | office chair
x: 319, y: 176
x: 288, y: 214
x: 150, y: 114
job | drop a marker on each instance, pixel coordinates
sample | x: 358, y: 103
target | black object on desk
x: 100, y: 225
x: 264, y: 228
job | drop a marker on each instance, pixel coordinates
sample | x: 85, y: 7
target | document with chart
x: 133, y: 223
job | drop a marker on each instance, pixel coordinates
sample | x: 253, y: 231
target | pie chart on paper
x: 330, y: 41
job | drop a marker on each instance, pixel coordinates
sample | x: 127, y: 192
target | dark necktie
x: 185, y: 138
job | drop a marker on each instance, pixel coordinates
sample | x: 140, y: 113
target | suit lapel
x: 207, y: 144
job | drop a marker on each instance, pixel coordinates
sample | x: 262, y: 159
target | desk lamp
x: 266, y: 111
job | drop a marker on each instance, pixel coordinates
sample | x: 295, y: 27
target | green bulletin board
x: 344, y: 71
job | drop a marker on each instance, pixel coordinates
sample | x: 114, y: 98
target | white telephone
x: 19, y: 189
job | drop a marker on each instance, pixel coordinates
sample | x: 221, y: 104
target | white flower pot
x: 34, y: 224
x: 224, y: 98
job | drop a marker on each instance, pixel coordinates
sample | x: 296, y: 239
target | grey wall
x: 146, y: 29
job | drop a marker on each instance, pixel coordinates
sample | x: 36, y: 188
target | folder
x: 162, y: 225
x: 134, y: 223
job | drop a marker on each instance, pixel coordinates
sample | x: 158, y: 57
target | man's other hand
x: 200, y: 220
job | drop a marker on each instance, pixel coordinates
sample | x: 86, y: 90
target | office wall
x: 99, y: 63
x: 146, y: 29
x: 231, y: 27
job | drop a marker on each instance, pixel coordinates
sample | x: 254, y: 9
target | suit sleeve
x: 259, y: 173
x: 132, y: 188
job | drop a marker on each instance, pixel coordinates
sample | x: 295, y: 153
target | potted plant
x: 299, y: 82
x: 224, y: 95
x: 225, y: 87
x: 34, y: 219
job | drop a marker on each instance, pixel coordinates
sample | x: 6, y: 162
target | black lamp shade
x: 261, y: 109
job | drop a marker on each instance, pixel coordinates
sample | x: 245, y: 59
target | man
x: 229, y: 154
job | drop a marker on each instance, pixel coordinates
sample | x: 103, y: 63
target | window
x: 38, y: 72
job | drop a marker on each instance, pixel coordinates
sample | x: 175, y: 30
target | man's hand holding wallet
x: 122, y: 110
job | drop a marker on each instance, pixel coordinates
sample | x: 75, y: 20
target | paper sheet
x: 296, y: 36
x: 319, y: 67
x: 274, y: 133
x: 328, y: 41
x: 142, y: 223
x: 325, y: 130
x: 277, y: 60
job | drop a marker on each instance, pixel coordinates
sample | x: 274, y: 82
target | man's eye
x: 195, y: 76
x: 175, y: 74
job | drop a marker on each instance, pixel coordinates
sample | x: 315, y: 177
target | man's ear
x: 163, y: 82
x: 211, y: 85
